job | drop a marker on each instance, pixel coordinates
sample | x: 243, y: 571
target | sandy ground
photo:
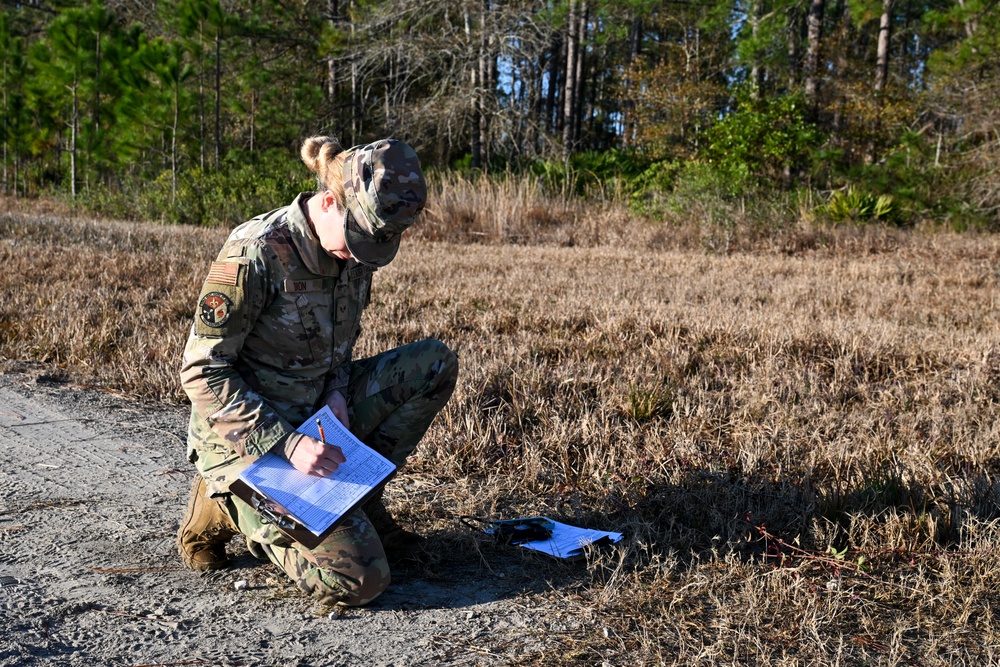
x: 92, y: 487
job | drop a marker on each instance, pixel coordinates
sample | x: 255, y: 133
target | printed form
x: 317, y: 502
x: 569, y: 541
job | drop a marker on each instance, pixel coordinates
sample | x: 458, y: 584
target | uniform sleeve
x: 337, y: 380
x: 229, y: 304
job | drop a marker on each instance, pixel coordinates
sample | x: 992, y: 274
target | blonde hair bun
x: 318, y: 154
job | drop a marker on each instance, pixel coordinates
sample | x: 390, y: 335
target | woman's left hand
x: 338, y: 404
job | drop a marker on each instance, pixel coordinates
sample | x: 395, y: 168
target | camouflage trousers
x: 392, y: 399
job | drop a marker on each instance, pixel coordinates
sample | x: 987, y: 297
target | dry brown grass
x: 800, y: 442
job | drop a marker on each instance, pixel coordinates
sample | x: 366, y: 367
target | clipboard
x: 270, y: 513
x: 301, y: 505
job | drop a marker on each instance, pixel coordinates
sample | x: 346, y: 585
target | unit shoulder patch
x: 214, y: 309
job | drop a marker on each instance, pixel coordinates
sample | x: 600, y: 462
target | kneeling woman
x: 271, y: 343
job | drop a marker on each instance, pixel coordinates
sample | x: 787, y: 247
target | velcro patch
x: 214, y: 309
x: 224, y: 273
x: 303, y: 285
x: 360, y: 271
x: 221, y: 310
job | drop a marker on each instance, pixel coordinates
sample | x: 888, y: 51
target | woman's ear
x: 328, y: 200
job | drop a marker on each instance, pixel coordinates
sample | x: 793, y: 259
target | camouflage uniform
x: 276, y: 322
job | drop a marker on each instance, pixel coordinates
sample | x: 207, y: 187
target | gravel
x: 92, y: 487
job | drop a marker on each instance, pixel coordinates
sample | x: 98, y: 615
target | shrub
x: 648, y: 190
x: 605, y: 175
x: 243, y: 186
x: 763, y: 142
x: 858, y: 206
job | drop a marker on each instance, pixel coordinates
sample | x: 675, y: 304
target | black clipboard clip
x: 269, y: 513
x: 273, y: 514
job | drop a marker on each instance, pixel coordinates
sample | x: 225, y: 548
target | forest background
x: 731, y: 113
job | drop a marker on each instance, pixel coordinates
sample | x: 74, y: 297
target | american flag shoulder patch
x: 224, y: 273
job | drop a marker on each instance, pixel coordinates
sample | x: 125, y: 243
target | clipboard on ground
x: 305, y: 507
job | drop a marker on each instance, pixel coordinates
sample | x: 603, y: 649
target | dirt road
x: 92, y: 487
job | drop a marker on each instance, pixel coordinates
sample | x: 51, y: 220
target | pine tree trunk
x: 488, y: 76
x: 841, y: 61
x: 793, y: 47
x: 74, y: 123
x: 97, y: 85
x: 95, y: 141
x: 218, y: 96
x: 578, y: 86
x: 173, y: 142
x: 201, y: 97
x: 355, y: 88
x: 5, y: 132
x: 881, y: 74
x: 553, y: 67
x: 882, y: 55
x: 333, y: 16
x: 814, y: 35
x: 629, y: 120
x: 569, y: 84
x: 475, y: 122
x: 535, y: 70
x: 756, y: 71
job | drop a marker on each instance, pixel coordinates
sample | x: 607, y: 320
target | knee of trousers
x: 372, y: 583
x: 359, y: 587
x: 348, y: 567
x: 446, y: 366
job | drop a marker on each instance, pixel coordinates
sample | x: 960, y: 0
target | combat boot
x: 204, y: 532
x: 396, y: 541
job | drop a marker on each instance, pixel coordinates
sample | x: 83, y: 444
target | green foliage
x: 711, y: 197
x: 970, y: 32
x: 748, y: 152
x: 763, y: 38
x: 100, y: 97
x: 858, y: 206
x: 762, y: 142
x: 864, y: 11
x: 244, y: 186
x: 647, y: 403
x: 698, y: 179
x: 16, y: 118
x: 919, y: 186
x: 603, y: 174
x: 649, y: 189
x: 614, y: 163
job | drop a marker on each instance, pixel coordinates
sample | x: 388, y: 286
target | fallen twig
x: 118, y: 570
x: 42, y: 504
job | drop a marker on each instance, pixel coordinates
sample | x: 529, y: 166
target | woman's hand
x: 338, y: 404
x: 312, y: 456
x: 315, y: 457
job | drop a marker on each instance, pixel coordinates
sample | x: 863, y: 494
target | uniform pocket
x: 314, y: 316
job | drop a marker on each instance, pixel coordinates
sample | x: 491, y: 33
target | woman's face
x: 328, y: 221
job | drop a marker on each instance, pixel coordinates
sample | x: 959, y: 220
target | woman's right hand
x: 315, y: 457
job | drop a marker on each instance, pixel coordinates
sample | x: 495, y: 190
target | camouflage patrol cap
x: 385, y: 191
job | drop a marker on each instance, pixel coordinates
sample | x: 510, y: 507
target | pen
x: 319, y: 425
